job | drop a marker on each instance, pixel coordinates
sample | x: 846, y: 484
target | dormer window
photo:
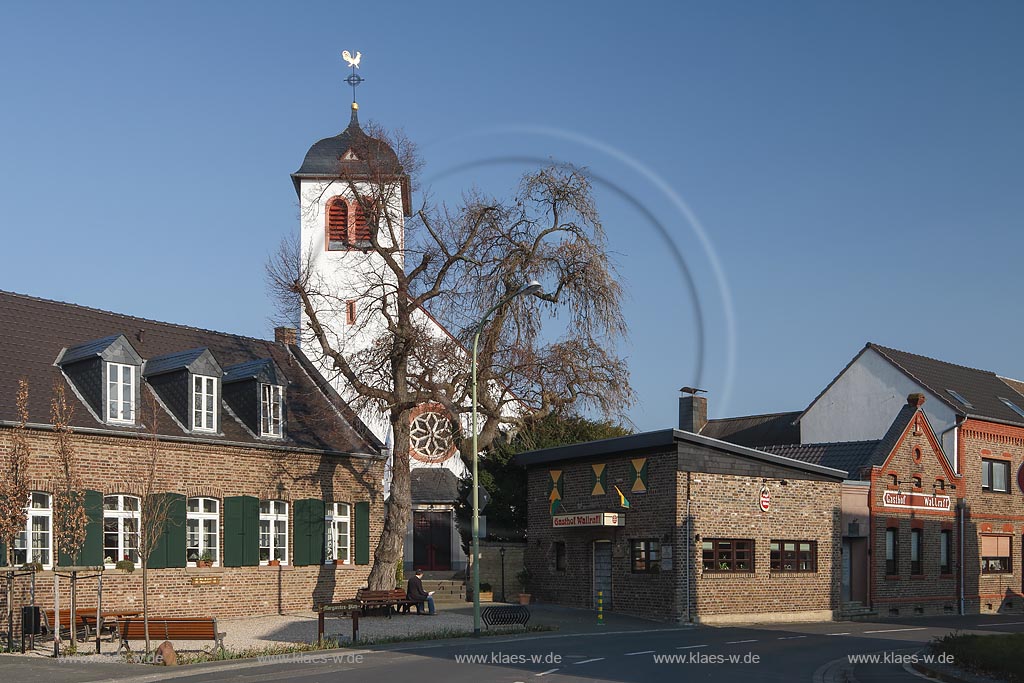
x: 120, y: 393
x: 271, y: 409
x: 204, y: 403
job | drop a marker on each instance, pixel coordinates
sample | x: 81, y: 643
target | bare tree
x: 538, y: 355
x: 14, y: 493
x: 69, y: 515
x: 154, y: 505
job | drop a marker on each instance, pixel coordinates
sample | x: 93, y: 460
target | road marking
x: 690, y: 647
x: 545, y: 673
x: 645, y: 652
x: 791, y: 637
x: 899, y: 630
x: 1002, y: 623
x: 588, y: 661
x: 738, y: 642
x: 838, y: 634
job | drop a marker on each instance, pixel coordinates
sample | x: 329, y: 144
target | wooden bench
x: 169, y: 629
x: 49, y: 620
x: 384, y: 600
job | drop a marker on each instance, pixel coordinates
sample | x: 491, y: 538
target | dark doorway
x: 432, y: 540
x: 855, y: 570
x: 603, y: 573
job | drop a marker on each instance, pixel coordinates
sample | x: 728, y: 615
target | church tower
x: 348, y: 185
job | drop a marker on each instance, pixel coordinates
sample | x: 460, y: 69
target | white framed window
x: 202, y: 531
x: 204, y: 403
x: 120, y: 393
x: 273, y: 531
x: 35, y: 542
x: 270, y: 409
x: 337, y: 541
x: 120, y: 529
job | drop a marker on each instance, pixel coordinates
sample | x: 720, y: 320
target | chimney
x: 284, y: 335
x: 693, y: 412
x: 915, y: 400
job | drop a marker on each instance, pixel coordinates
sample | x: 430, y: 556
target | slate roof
x: 755, y: 430
x: 853, y: 456
x: 36, y: 330
x: 172, y: 361
x: 434, y: 485
x: 663, y: 440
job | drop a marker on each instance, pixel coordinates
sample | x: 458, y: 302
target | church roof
x: 353, y: 153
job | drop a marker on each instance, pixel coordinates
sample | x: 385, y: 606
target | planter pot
x: 524, y: 598
x: 274, y: 563
x: 339, y: 562
x: 204, y: 563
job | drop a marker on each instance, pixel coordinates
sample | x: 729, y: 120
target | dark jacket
x: 415, y: 591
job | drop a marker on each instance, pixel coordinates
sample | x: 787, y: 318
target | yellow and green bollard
x: 600, y: 608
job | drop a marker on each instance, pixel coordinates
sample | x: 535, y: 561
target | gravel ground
x: 277, y: 630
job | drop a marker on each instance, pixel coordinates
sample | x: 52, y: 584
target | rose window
x: 431, y: 436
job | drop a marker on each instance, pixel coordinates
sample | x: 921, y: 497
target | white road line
x: 737, y: 642
x: 898, y: 630
x: 838, y: 634
x: 1002, y: 623
x: 545, y: 673
x: 588, y: 661
x: 645, y: 652
x: 690, y: 647
x: 791, y: 637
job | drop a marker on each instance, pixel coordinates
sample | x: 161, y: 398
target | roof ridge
x: 133, y: 317
x: 934, y: 360
x: 821, y: 443
x: 747, y: 417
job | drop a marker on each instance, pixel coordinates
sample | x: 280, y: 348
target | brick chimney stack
x: 284, y: 335
x: 693, y: 413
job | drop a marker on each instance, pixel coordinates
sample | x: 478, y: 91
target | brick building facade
x: 713, y: 532
x: 274, y: 487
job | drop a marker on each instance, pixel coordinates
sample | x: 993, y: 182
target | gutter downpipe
x: 689, y: 541
x: 961, y: 509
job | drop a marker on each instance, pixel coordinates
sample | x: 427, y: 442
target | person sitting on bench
x: 416, y: 594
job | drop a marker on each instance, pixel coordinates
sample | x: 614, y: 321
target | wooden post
x: 10, y: 610
x: 56, y: 615
x: 320, y: 625
x: 355, y: 626
x: 99, y: 611
x: 71, y: 615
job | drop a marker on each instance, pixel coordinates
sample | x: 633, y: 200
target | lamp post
x: 532, y: 288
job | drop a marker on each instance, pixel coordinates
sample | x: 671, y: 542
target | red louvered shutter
x: 361, y: 228
x: 337, y: 221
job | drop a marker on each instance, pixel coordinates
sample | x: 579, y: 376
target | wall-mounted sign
x: 589, y: 519
x: 915, y: 501
x: 764, y: 500
x: 205, y: 580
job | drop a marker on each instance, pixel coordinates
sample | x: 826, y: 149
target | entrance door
x: 603, y: 572
x: 846, y: 571
x: 432, y: 540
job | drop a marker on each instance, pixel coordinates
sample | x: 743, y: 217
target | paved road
x: 764, y: 654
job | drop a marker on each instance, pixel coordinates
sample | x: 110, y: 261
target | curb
x: 948, y: 674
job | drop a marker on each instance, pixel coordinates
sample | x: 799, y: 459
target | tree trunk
x: 396, y: 511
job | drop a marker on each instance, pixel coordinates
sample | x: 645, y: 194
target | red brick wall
x: 195, y: 469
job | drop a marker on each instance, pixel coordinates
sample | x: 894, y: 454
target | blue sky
x: 856, y: 168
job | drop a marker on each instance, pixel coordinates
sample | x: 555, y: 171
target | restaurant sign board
x: 589, y: 519
x: 915, y: 501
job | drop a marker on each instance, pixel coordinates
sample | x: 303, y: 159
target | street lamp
x: 532, y: 288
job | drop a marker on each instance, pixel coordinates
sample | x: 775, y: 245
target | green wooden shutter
x: 300, y: 534
x: 362, y: 524
x: 309, y: 532
x: 3, y: 554
x: 91, y: 552
x: 234, y: 532
x: 251, y: 532
x: 169, y: 549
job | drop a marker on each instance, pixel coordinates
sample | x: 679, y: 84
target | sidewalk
x: 277, y: 630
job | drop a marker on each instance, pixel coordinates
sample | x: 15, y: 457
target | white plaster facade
x: 863, y: 401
